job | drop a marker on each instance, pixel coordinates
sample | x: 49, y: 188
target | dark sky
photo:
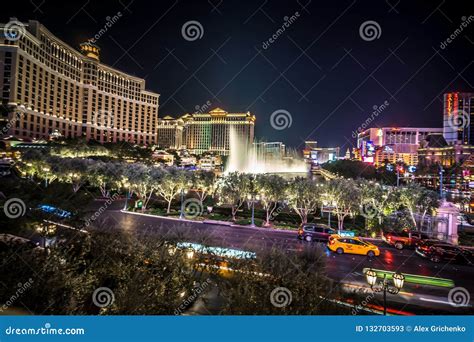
x: 319, y: 70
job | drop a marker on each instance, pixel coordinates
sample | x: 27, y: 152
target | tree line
x: 344, y: 197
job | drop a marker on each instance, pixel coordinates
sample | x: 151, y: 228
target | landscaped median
x: 207, y: 221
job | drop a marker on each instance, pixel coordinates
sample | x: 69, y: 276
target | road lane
x: 342, y: 268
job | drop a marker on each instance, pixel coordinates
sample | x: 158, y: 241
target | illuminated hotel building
x: 319, y: 155
x: 435, y: 150
x: 392, y: 144
x: 270, y: 150
x: 170, y: 133
x: 458, y: 118
x: 210, y: 132
x: 54, y: 89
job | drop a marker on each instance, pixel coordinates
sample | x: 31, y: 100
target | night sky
x: 320, y: 70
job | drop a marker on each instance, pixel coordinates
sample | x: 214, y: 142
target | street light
x: 45, y: 230
x: 329, y: 206
x: 384, y: 286
x: 127, y: 194
x: 181, y: 214
x: 253, y: 199
x: 46, y: 170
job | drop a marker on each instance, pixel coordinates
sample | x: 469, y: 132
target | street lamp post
x: 45, y: 230
x: 253, y: 199
x: 46, y: 170
x: 127, y: 195
x: 384, y: 286
x: 441, y: 170
x: 328, y: 205
x: 188, y: 186
x: 181, y: 214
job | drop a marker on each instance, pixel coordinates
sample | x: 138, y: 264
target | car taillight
x: 300, y: 231
x: 389, y: 238
x: 332, y: 241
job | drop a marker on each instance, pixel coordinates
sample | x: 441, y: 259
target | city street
x: 347, y: 269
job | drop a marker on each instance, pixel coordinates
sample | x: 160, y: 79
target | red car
x: 403, y: 239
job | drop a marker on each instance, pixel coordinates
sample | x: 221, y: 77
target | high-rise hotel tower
x: 50, y: 88
x: 458, y: 118
x: 211, y: 132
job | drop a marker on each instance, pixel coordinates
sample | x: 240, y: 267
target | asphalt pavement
x: 346, y: 269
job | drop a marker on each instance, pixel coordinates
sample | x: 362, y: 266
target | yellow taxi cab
x: 352, y: 245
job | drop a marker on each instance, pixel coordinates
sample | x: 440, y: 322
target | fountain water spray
x: 247, y: 157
